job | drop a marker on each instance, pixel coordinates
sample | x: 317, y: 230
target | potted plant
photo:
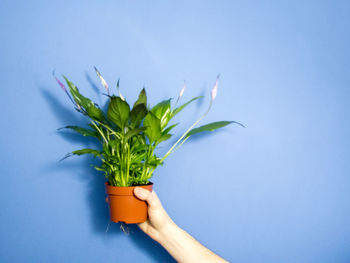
x: 129, y: 137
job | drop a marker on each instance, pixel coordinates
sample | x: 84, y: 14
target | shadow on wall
x: 95, y: 193
x: 151, y: 247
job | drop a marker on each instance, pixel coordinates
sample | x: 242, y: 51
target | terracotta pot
x: 124, y: 206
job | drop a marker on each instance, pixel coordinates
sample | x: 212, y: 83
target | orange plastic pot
x: 124, y: 206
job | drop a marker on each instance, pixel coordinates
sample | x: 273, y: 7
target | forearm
x: 184, y: 248
x: 176, y: 241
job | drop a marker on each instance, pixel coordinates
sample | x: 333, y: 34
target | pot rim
x: 149, y: 183
x: 125, y: 190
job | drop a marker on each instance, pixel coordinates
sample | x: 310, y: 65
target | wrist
x: 166, y: 232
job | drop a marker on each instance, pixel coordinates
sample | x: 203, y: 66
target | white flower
x: 182, y: 91
x: 104, y: 83
x: 214, y: 91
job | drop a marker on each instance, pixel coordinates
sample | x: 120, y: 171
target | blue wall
x: 277, y: 191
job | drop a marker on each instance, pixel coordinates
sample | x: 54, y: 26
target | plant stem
x: 108, y: 128
x: 186, y: 132
x: 99, y: 131
x: 128, y: 164
x: 145, y: 170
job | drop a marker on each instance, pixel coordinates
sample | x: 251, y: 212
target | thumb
x: 145, y: 195
x: 141, y: 193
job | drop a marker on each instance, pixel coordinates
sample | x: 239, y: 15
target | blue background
x: 277, y: 191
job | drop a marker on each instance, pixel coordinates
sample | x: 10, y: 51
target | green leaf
x: 163, y: 112
x: 167, y: 130
x: 138, y: 148
x: 165, y: 134
x: 83, y: 151
x: 142, y: 99
x: 211, y: 127
x: 154, y: 161
x: 164, y: 137
x: 134, y: 132
x: 95, y: 113
x: 91, y: 109
x: 152, y: 124
x: 180, y: 108
x: 99, y: 169
x: 137, y: 114
x: 81, y: 130
x: 87, y: 151
x: 118, y: 111
x: 112, y: 144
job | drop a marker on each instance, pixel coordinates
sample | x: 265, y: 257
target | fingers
x: 150, y: 197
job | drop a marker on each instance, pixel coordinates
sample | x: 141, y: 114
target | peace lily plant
x: 129, y: 135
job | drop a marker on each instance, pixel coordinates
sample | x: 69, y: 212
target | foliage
x: 130, y: 136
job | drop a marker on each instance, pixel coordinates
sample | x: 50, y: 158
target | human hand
x: 159, y: 226
x: 158, y: 220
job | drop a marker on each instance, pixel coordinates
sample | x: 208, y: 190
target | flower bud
x: 61, y: 84
x: 182, y: 90
x: 64, y: 89
x: 214, y: 91
x: 104, y: 83
x: 120, y: 95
